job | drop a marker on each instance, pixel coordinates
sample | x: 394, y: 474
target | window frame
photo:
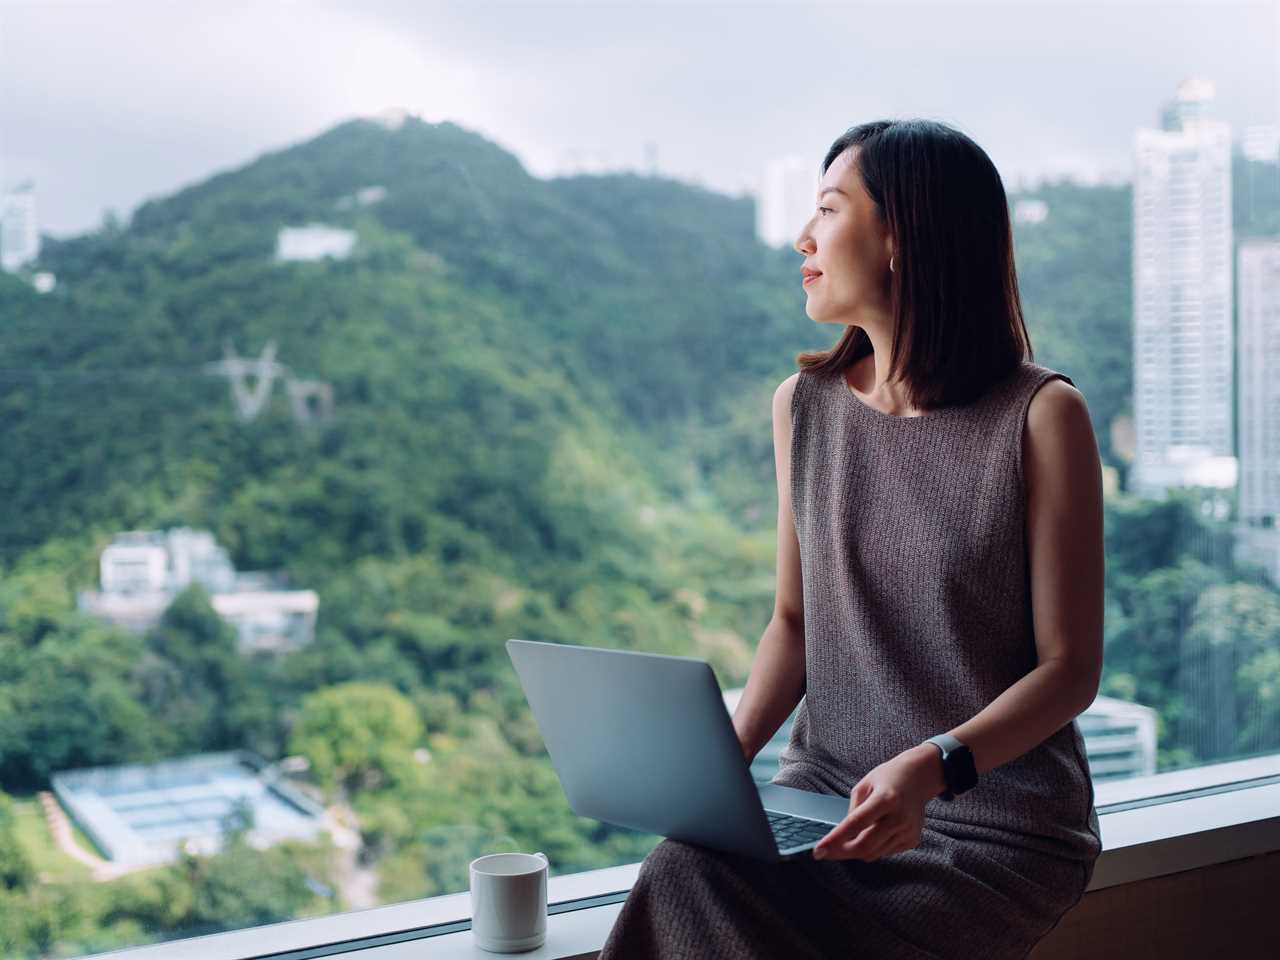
x: 1152, y: 825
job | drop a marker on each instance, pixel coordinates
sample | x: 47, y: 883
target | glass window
x: 345, y: 342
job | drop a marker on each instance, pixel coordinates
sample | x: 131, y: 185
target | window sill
x: 1151, y: 826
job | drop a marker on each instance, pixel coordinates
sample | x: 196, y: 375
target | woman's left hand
x: 886, y: 808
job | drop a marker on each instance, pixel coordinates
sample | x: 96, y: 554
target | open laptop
x: 643, y: 740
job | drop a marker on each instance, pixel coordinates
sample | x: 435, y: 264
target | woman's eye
x: 828, y: 209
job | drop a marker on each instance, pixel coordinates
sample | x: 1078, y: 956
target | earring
x: 891, y: 264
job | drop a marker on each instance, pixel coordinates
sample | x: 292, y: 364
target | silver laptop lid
x: 644, y: 740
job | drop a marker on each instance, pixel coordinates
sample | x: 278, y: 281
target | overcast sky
x: 105, y: 104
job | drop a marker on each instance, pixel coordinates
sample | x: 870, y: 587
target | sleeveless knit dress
x: 917, y: 614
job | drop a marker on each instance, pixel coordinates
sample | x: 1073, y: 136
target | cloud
x: 107, y: 104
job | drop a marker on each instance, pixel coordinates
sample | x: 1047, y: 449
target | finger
x: 861, y: 791
x: 871, y: 843
x: 858, y: 822
x: 844, y: 833
x: 854, y: 848
x: 863, y: 815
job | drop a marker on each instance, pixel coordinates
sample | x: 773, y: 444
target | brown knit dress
x: 917, y: 613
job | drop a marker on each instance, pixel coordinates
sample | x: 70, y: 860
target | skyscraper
x: 785, y: 200
x: 1182, y: 304
x: 1261, y: 141
x: 1258, y: 273
x: 19, y: 236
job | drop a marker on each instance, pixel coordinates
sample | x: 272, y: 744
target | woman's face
x: 845, y: 240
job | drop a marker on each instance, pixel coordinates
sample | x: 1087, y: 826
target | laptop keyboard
x: 789, y: 831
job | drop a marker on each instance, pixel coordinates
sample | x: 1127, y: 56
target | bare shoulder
x: 786, y: 390
x: 1054, y: 406
x: 1058, y: 435
x: 782, y: 404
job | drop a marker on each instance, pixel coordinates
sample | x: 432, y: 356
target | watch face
x: 959, y: 770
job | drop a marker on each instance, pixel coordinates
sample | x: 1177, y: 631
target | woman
x: 940, y: 571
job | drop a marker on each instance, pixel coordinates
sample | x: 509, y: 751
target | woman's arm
x: 774, y: 688
x: 777, y: 681
x: 1063, y: 476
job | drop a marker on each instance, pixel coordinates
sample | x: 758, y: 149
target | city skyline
x: 600, y: 87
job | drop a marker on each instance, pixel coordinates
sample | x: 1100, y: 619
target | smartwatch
x: 958, y: 768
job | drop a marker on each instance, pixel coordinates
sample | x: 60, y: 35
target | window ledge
x: 1151, y: 826
x: 1170, y: 822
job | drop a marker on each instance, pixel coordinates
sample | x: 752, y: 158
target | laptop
x: 644, y: 740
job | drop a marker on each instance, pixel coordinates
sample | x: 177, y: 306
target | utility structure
x: 311, y: 400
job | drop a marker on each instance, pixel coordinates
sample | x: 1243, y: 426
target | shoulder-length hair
x: 954, y: 288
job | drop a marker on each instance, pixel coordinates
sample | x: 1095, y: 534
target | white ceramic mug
x: 509, y: 901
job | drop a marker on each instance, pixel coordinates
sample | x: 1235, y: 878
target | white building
x: 142, y: 571
x: 1119, y: 739
x: 1183, y: 342
x: 1258, y: 282
x: 364, y: 197
x: 1261, y: 142
x: 315, y: 241
x: 786, y: 199
x: 140, y: 815
x: 19, y: 233
x: 1030, y: 211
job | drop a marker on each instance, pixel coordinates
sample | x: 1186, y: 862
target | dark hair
x: 958, y: 325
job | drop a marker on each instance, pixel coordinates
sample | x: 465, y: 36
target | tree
x: 70, y: 701
x: 357, y: 735
x: 16, y: 871
x: 1224, y: 675
x: 196, y: 682
x: 244, y: 887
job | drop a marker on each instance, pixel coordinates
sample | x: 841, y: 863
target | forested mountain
x: 552, y: 421
x: 481, y: 303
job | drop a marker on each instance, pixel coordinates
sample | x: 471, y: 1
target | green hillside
x: 552, y: 421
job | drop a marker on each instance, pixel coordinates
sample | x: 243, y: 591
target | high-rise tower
x: 1182, y: 307
x: 19, y: 234
x: 1258, y: 273
x: 785, y: 199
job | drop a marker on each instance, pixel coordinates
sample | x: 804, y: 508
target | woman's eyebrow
x: 825, y: 190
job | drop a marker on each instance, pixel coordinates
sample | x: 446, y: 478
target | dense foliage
x: 552, y: 422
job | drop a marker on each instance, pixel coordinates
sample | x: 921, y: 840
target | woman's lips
x: 809, y: 279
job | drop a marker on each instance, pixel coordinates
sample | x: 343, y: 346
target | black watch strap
x: 958, y: 768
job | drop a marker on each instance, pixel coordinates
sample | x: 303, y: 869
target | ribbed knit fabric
x: 917, y: 615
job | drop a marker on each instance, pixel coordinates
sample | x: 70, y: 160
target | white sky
x: 105, y: 104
